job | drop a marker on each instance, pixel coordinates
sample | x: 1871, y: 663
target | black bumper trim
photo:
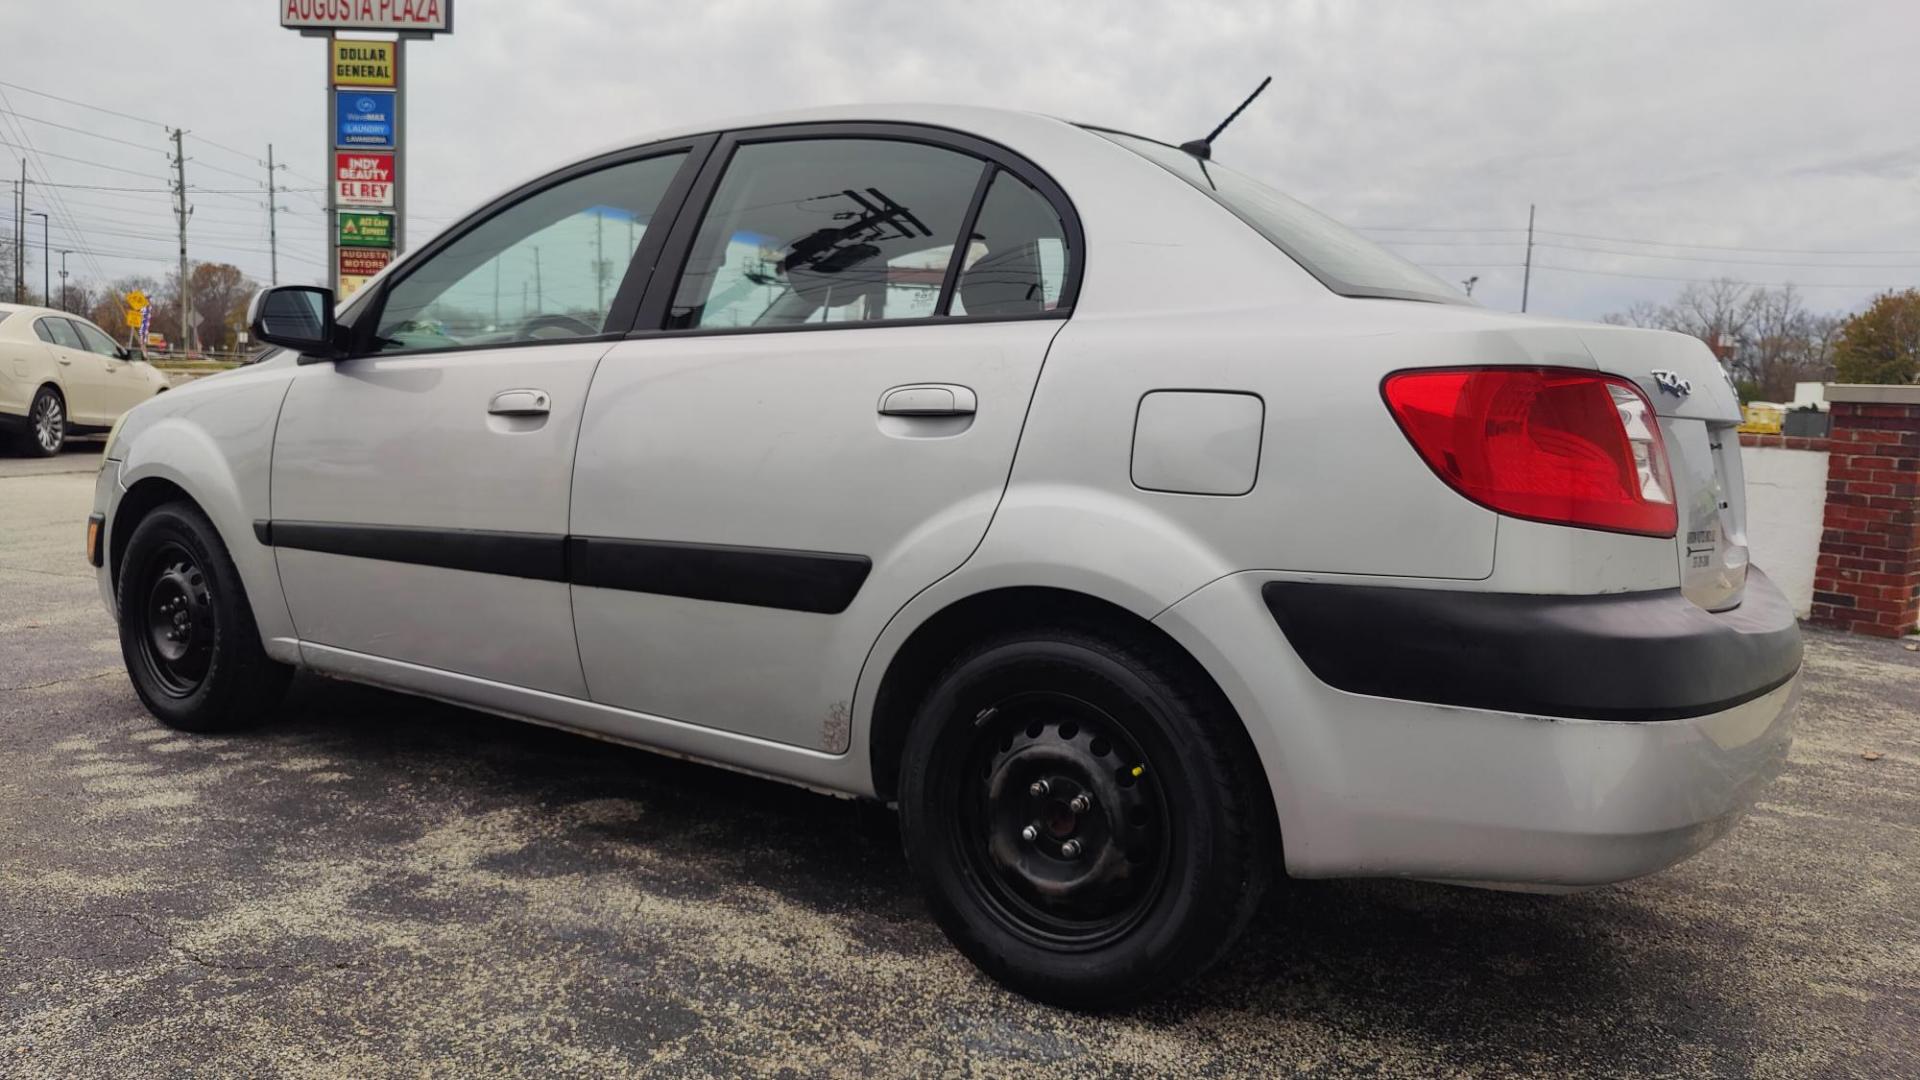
x: 1628, y: 656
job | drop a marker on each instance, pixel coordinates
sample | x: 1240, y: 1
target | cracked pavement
x: 377, y: 885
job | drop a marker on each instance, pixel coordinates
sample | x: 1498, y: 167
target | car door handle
x: 66, y: 361
x: 928, y: 399
x: 519, y: 403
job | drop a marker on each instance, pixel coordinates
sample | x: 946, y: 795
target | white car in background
x: 60, y: 375
x: 1140, y: 532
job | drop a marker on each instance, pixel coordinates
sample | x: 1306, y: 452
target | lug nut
x: 1080, y: 804
x: 1029, y: 834
x: 1038, y: 789
x: 1071, y: 849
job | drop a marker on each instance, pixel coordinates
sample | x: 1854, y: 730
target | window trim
x: 634, y: 281
x: 650, y: 321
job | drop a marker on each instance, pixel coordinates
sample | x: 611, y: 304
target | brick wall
x: 1868, y: 576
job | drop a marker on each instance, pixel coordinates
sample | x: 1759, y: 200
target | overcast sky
x: 1763, y: 140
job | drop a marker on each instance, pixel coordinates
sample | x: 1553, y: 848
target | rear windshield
x: 1343, y: 261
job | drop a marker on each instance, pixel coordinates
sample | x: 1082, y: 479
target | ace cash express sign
x: 363, y: 179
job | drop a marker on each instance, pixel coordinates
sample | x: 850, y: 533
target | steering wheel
x: 567, y: 325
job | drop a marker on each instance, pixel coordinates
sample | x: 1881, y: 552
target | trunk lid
x: 1698, y: 412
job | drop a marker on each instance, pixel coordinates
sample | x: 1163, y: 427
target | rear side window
x: 1343, y: 260
x: 62, y: 332
x: 1016, y: 259
x: 826, y: 230
x: 42, y: 329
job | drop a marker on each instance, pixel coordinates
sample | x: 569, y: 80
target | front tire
x: 1084, y: 815
x: 46, y: 430
x: 186, y: 632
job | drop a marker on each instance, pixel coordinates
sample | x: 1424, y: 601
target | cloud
x: 1766, y: 124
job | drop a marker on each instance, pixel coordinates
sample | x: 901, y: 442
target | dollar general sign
x: 362, y: 63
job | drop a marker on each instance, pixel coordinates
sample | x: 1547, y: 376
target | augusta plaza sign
x: 432, y: 16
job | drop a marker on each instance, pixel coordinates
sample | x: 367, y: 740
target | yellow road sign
x: 133, y: 319
x: 362, y: 63
x: 137, y: 300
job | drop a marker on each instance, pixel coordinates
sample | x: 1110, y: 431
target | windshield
x: 1343, y: 261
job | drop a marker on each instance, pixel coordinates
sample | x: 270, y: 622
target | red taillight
x: 1567, y: 447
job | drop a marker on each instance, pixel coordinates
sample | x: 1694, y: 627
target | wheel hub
x: 1069, y: 829
x: 179, y: 624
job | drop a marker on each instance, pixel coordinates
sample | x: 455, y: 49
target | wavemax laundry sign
x: 363, y: 179
x: 431, y: 16
x: 363, y: 118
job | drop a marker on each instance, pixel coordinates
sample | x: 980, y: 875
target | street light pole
x: 46, y: 261
x: 64, y: 252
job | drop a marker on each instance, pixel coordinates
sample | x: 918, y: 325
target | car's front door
x: 419, y: 488
x: 124, y: 384
x: 83, y: 378
x: 821, y: 426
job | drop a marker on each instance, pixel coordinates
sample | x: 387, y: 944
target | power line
x: 1729, y: 262
x: 1751, y: 284
x: 1731, y: 247
x: 84, y: 105
x: 82, y: 161
x: 79, y: 131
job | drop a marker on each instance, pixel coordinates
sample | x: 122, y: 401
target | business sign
x: 359, y: 264
x: 363, y: 63
x: 365, y: 230
x: 363, y: 118
x: 363, y: 179
x: 423, y: 16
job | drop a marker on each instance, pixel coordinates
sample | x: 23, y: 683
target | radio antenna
x: 1203, y: 148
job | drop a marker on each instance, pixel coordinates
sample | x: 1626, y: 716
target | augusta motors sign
x: 432, y: 16
x: 363, y: 179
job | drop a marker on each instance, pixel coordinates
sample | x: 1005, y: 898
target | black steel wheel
x: 187, y: 634
x: 177, y: 632
x: 1085, y: 814
x: 1065, y: 825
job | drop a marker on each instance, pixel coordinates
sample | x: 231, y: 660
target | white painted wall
x: 1786, y: 499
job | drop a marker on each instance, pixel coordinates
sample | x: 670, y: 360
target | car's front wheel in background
x: 188, y: 636
x: 1085, y: 815
x: 46, y: 429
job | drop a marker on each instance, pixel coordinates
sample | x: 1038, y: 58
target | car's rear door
x: 814, y: 423
x: 420, y: 487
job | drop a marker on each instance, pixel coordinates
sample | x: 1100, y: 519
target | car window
x: 1017, y: 255
x: 4, y: 314
x: 544, y: 269
x: 826, y: 230
x: 94, y: 339
x: 1343, y: 260
x: 58, y: 331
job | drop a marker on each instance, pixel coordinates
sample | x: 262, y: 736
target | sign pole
x: 400, y: 145
x: 333, y: 188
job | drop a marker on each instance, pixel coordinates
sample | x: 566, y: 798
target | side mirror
x: 297, y: 317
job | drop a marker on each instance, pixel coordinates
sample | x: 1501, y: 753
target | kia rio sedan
x: 1141, y: 533
x: 61, y: 375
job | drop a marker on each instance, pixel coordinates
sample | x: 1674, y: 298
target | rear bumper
x: 1470, y: 785
x: 1626, y: 656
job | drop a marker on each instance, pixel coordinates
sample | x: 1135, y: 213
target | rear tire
x: 46, y: 430
x: 186, y: 632
x: 1084, y: 814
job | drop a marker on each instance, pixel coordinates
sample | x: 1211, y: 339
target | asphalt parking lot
x: 375, y: 885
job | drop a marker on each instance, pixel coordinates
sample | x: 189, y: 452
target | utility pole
x: 1526, y: 279
x: 273, y: 211
x: 20, y: 234
x: 46, y: 259
x: 181, y: 212
x: 64, y: 252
